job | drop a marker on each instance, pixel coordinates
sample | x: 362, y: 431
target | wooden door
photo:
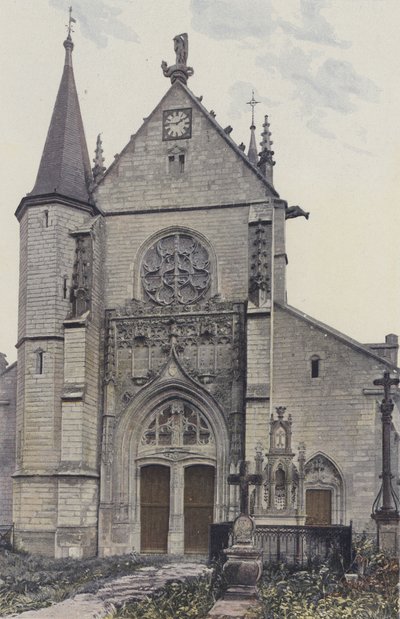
x: 319, y: 507
x: 154, y: 508
x: 198, y: 507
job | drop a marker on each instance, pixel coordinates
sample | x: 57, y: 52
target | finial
x: 99, y: 167
x: 179, y: 71
x: 252, y: 152
x: 253, y: 104
x: 266, y: 162
x: 71, y: 21
x: 280, y: 410
x: 68, y: 44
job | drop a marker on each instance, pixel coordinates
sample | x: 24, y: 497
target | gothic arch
x: 322, y: 473
x: 129, y: 455
x: 137, y: 289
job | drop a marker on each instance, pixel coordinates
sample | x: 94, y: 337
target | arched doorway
x: 175, y: 497
x: 324, y: 492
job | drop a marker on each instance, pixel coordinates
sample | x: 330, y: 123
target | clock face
x: 177, y: 124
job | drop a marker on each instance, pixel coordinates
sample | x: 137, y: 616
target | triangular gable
x: 344, y: 339
x: 217, y: 169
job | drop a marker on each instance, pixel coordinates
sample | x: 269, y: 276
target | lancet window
x: 177, y: 424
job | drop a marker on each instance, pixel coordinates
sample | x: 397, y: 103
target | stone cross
x: 386, y: 409
x: 386, y: 382
x: 244, y: 480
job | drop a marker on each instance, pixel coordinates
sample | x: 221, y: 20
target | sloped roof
x: 345, y: 339
x: 65, y: 165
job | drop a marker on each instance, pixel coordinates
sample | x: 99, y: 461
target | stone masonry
x: 155, y: 341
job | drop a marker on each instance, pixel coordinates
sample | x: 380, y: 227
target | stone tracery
x: 176, y: 269
x: 176, y: 425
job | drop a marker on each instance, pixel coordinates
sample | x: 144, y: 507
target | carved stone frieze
x: 259, y: 276
x: 208, y: 342
x: 320, y: 470
x: 81, y: 288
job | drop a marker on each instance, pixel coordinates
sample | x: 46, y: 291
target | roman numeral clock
x: 177, y: 124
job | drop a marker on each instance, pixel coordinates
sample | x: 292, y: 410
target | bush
x: 323, y: 594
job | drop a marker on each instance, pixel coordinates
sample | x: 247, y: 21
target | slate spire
x: 65, y: 166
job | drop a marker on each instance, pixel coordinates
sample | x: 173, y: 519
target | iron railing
x: 296, y: 545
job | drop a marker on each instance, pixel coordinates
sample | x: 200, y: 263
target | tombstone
x: 243, y: 568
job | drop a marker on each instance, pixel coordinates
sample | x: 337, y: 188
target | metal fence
x: 7, y: 536
x: 297, y: 545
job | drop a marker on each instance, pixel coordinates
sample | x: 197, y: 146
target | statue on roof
x: 179, y: 71
x: 181, y: 47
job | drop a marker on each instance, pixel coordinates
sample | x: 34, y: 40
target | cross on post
x: 389, y: 499
x: 386, y: 382
x: 244, y: 480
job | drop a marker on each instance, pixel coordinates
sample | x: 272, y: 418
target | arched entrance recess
x: 170, y: 467
x: 324, y: 491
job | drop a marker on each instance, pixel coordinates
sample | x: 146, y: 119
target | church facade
x: 157, y: 351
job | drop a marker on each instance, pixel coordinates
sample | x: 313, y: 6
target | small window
x: 171, y: 163
x: 65, y: 287
x: 181, y: 163
x: 315, y: 367
x: 39, y: 361
x: 46, y: 219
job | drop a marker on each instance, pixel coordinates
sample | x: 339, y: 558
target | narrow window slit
x: 315, y: 368
x: 39, y: 362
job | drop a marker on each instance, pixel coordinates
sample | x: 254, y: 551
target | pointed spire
x: 65, y: 165
x: 99, y: 167
x: 266, y: 163
x: 252, y: 152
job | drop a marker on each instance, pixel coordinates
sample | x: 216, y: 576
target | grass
x: 189, y: 600
x: 29, y: 582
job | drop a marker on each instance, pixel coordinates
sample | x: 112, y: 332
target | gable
x: 215, y: 171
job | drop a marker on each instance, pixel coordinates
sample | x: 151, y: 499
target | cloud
x: 240, y: 93
x: 233, y: 19
x: 312, y: 25
x: 319, y: 85
x: 99, y: 20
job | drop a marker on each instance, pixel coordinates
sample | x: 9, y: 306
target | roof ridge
x: 336, y: 333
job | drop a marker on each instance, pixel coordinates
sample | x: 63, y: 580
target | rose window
x: 176, y: 269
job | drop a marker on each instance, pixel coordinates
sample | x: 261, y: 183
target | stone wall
x: 332, y: 414
x: 8, y: 386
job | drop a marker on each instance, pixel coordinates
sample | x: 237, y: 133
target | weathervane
x: 253, y: 104
x: 71, y: 21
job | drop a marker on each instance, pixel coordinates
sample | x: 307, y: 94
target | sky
x: 325, y: 71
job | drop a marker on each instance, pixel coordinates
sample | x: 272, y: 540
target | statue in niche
x: 280, y: 438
